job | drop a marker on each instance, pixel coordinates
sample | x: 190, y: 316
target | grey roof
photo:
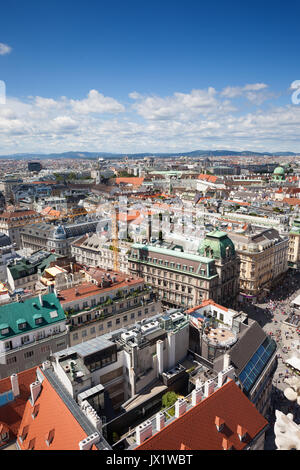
x: 247, y: 345
x: 4, y: 240
x: 87, y: 347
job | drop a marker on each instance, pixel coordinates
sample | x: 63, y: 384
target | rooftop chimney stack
x: 160, y: 421
x: 35, y: 389
x: 89, y: 441
x: 196, y: 396
x: 226, y: 362
x: 15, y: 384
x: 224, y: 375
x: 180, y: 407
x: 143, y: 431
x: 209, y: 387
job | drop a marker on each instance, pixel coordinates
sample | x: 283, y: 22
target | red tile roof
x: 293, y: 201
x: 54, y: 422
x: 209, y: 178
x: 205, y: 303
x: 89, y: 289
x: 135, y: 181
x: 197, y: 430
x: 11, y: 414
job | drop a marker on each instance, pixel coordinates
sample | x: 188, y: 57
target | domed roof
x: 279, y: 170
x: 217, y: 244
x: 60, y: 232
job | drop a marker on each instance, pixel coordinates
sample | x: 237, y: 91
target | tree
x: 169, y: 399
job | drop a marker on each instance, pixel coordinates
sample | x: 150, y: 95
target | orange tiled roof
x: 205, y: 303
x: 197, y: 429
x: 209, y: 178
x: 11, y: 414
x: 135, y: 181
x: 53, y: 419
x: 87, y: 289
x: 293, y: 201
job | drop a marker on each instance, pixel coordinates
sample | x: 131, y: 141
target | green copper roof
x: 20, y: 312
x: 22, y: 269
x: 217, y: 245
x: 178, y: 254
x: 279, y: 171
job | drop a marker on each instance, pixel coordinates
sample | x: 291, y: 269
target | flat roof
x: 87, y: 347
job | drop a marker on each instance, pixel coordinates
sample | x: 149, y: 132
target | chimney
x: 180, y: 407
x: 226, y: 444
x: 15, y: 384
x: 209, y: 387
x: 196, y: 396
x: 224, y: 375
x: 143, y: 431
x: 241, y: 432
x: 46, y: 365
x: 226, y: 361
x: 89, y: 441
x: 160, y: 356
x: 35, y: 389
x: 160, y: 421
x: 219, y: 422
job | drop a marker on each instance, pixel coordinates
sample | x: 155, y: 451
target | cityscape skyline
x: 134, y: 78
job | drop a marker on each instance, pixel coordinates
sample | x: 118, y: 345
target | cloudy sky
x: 139, y: 76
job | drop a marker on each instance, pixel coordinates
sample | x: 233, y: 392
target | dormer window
x: 4, y: 331
x: 21, y: 324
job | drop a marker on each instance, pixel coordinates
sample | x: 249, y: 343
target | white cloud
x: 183, y: 121
x: 97, y: 103
x: 254, y: 92
x: 4, y: 49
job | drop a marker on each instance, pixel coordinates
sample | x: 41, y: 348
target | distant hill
x: 107, y: 155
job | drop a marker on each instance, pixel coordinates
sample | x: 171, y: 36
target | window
x: 11, y: 360
x: 25, y: 339
x: 93, y: 330
x: 28, y: 354
x: 75, y: 336
x: 83, y: 334
x: 125, y: 318
x: 109, y: 324
x: 139, y: 313
x: 132, y: 315
x: 100, y: 328
x: 118, y: 321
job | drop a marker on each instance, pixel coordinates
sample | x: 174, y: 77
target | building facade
x: 263, y: 255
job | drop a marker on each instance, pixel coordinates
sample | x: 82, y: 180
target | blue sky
x: 168, y: 75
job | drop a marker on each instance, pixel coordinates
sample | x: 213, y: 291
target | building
x: 218, y: 246
x: 25, y: 273
x: 91, y: 250
x: 263, y: 255
x: 294, y: 246
x: 14, y: 394
x: 52, y: 420
x: 221, y: 337
x: 7, y: 253
x: 34, y: 166
x: 13, y: 221
x: 56, y: 238
x: 184, y: 279
x: 29, y: 331
x: 214, y: 418
x: 106, y: 301
x: 128, y: 366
